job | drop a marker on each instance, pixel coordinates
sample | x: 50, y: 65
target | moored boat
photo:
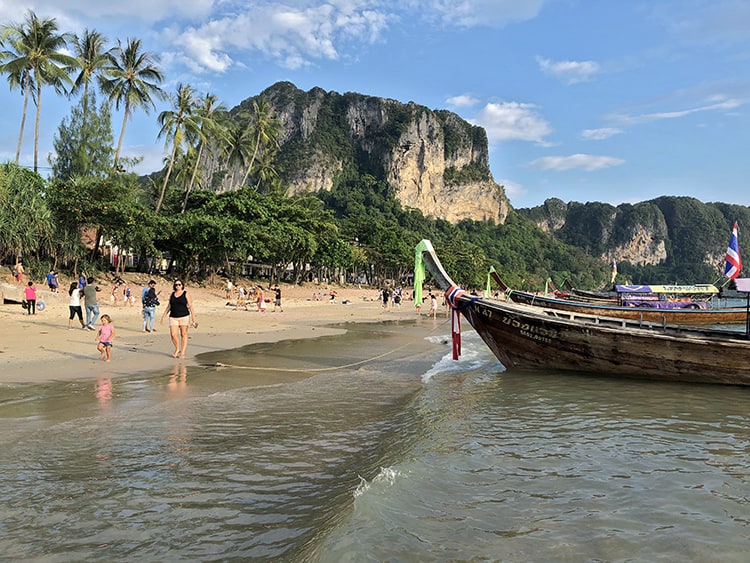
x: 681, y: 312
x: 525, y: 337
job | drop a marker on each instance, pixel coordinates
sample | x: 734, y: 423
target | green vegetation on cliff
x: 692, y: 235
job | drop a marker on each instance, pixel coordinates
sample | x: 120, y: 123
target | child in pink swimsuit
x: 105, y: 335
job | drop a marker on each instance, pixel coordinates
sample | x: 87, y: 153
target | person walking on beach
x: 260, y: 299
x: 92, y: 307
x: 181, y: 316
x: 75, y: 305
x: 229, y: 289
x: 105, y: 335
x: 18, y: 271
x: 277, y: 300
x: 29, y: 293
x: 433, y: 306
x: 241, y: 298
x: 128, y: 294
x: 115, y: 292
x: 52, y: 281
x: 149, y: 300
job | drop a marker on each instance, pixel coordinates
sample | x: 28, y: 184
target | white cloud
x: 600, y: 134
x: 726, y: 104
x: 587, y: 162
x: 75, y: 15
x: 513, y: 190
x: 491, y: 13
x: 509, y: 121
x: 568, y: 72
x: 462, y: 101
x: 294, y: 37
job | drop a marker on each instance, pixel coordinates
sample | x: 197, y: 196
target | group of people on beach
x: 83, y: 294
x: 390, y: 297
x: 179, y: 310
x: 256, y: 296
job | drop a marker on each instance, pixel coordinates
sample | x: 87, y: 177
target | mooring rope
x: 316, y: 370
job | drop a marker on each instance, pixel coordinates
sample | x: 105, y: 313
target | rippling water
x: 411, y: 457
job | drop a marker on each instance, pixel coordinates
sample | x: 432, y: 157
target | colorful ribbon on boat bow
x: 453, y: 296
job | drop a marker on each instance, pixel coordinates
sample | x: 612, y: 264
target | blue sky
x: 595, y: 100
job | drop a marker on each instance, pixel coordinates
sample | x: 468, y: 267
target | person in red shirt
x: 29, y: 293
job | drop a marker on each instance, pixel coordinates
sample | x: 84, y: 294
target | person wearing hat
x: 149, y: 300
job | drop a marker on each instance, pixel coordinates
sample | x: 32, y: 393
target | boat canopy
x: 699, y: 289
x: 743, y: 284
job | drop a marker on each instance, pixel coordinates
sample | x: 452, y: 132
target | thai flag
x: 734, y: 261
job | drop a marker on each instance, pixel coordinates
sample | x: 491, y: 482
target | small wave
x: 474, y: 355
x: 386, y: 477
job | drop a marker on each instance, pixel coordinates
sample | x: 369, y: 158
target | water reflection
x: 178, y: 379
x: 103, y: 389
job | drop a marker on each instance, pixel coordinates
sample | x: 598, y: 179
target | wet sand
x: 39, y: 348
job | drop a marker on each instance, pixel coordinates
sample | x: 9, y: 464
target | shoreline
x: 40, y: 348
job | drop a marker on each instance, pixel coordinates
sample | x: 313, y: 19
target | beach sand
x: 39, y: 348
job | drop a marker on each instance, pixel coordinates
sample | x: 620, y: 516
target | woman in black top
x: 181, y: 316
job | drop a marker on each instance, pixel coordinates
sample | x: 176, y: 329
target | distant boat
x: 680, y: 312
x: 622, y: 293
x: 525, y: 337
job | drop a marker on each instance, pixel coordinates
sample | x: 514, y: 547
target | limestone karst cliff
x: 634, y: 233
x: 680, y: 234
x: 432, y: 160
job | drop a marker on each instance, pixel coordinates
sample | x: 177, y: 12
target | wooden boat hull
x: 526, y: 337
x: 530, y: 338
x: 680, y: 316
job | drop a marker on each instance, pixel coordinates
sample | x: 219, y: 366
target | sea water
x: 373, y: 446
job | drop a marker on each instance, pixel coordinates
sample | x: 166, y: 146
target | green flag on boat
x: 488, y: 291
x: 419, y: 270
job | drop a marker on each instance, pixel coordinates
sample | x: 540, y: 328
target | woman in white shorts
x: 181, y: 317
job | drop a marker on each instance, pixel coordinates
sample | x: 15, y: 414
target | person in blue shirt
x: 52, y: 281
x: 149, y: 300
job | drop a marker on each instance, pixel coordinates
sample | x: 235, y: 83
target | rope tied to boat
x: 453, y: 296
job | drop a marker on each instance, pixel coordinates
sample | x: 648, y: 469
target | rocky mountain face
x: 432, y: 160
x: 634, y: 234
x: 674, y: 231
x: 436, y: 162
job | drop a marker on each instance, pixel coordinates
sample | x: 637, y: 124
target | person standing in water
x: 181, y: 317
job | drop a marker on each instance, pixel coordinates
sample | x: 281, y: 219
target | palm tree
x: 91, y: 60
x: 210, y: 112
x: 35, y: 57
x: 132, y: 81
x: 237, y: 148
x: 179, y: 124
x: 265, y: 130
x: 23, y: 79
x: 267, y: 173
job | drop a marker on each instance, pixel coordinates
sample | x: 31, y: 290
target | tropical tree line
x: 357, y: 230
x: 91, y: 189
x: 218, y: 202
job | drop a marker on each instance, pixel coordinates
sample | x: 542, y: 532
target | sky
x: 582, y: 100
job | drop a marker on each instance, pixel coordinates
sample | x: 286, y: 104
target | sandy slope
x: 41, y: 348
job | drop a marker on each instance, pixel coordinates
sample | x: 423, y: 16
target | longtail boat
x: 525, y: 337
x: 638, y: 293
x: 680, y: 312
